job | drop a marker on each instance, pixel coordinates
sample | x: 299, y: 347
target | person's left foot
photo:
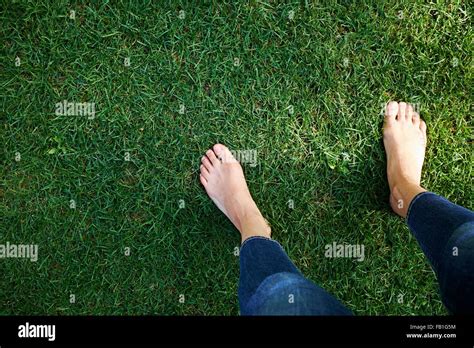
x: 224, y: 181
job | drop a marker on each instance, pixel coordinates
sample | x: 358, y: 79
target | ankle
x: 402, y: 194
x: 253, y: 224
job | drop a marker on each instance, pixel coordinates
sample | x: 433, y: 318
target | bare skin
x: 404, y: 138
x: 224, y: 181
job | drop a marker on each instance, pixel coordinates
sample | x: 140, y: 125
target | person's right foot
x: 404, y: 138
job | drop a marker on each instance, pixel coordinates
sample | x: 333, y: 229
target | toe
x: 204, y: 172
x: 212, y: 157
x: 219, y: 149
x: 423, y: 127
x: 203, y: 180
x: 391, y: 111
x: 416, y: 119
x: 402, y: 109
x: 409, y: 112
x: 207, y: 164
x: 224, y: 153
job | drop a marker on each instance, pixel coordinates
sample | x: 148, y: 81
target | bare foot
x: 404, y: 138
x: 224, y: 181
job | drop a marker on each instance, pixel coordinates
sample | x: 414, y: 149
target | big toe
x: 219, y: 149
x: 223, y: 153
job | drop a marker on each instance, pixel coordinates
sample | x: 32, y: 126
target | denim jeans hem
x: 259, y: 237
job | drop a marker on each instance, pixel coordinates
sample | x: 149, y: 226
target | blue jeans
x: 270, y: 284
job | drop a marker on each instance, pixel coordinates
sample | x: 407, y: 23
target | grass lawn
x: 114, y: 201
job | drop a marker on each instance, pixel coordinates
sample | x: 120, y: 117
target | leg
x: 270, y: 284
x: 445, y: 231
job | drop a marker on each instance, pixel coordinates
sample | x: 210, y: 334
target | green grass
x: 335, y: 62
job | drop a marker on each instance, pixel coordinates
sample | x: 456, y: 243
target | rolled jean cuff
x: 258, y: 237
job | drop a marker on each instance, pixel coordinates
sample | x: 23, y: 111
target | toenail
x: 392, y: 107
